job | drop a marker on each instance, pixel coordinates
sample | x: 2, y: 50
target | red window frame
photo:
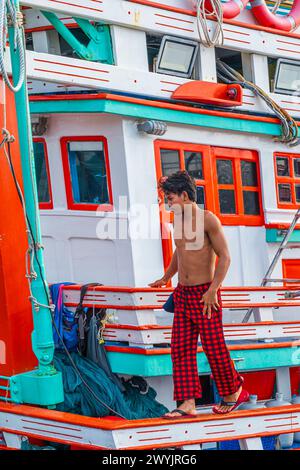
x: 67, y: 174
x: 292, y: 180
x: 210, y: 183
x: 236, y: 156
x: 49, y: 204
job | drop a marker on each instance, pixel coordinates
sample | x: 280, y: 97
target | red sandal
x: 243, y: 397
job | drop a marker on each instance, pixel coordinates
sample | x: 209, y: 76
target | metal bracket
x: 99, y: 48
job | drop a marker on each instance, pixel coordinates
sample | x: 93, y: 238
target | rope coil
x: 203, y: 16
x: 10, y: 17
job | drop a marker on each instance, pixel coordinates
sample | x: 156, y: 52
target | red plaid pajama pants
x: 188, y: 323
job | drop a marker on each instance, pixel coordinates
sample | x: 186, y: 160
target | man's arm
x: 171, y: 271
x: 216, y: 235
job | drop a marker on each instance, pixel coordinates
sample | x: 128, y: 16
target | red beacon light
x: 215, y: 94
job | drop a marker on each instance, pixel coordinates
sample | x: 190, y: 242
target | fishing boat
x: 100, y: 99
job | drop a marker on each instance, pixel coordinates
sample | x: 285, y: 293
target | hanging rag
x: 64, y: 318
x: 90, y: 324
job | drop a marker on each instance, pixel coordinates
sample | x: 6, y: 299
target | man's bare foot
x: 232, y: 397
x: 188, y: 406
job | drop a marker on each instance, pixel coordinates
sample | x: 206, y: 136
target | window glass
x: 251, y: 203
x: 282, y: 164
x: 224, y: 170
x: 231, y: 58
x: 249, y: 175
x: 297, y: 167
x: 193, y: 164
x: 285, y: 193
x: 227, y: 201
x: 41, y: 172
x: 200, y: 196
x: 297, y: 191
x: 88, y: 172
x: 169, y: 161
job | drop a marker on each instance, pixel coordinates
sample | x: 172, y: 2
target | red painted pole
x: 16, y: 354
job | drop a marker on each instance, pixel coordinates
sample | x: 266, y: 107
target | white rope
x: 203, y: 16
x: 8, y: 12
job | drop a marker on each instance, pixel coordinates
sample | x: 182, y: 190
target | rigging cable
x: 289, y: 128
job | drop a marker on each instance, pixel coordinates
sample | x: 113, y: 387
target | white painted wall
x: 74, y: 253
x: 249, y: 251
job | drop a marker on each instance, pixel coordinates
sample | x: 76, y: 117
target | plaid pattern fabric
x: 188, y: 323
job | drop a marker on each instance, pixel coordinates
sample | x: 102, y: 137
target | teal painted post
x: 79, y: 48
x: 100, y: 46
x: 42, y: 336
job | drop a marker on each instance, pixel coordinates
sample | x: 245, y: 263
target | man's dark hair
x: 177, y: 183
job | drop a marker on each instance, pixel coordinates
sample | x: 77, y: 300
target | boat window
x: 86, y: 173
x: 251, y: 202
x: 169, y: 161
x: 272, y: 61
x: 285, y: 193
x: 297, y: 166
x: 153, y: 46
x: 67, y: 50
x: 249, y: 174
x: 172, y: 160
x: 227, y: 201
x: 224, y: 169
x: 287, y: 174
x: 297, y: 191
x: 29, y: 41
x: 201, y: 196
x: 250, y: 181
x: 231, y: 58
x: 227, y: 180
x: 42, y: 174
x: 193, y: 164
x: 282, y: 165
x: 226, y: 194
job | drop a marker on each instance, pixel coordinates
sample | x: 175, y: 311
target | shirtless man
x: 197, y: 299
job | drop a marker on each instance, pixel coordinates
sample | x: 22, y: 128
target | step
x: 158, y: 334
x: 147, y: 298
x: 247, y: 356
x: 116, y: 433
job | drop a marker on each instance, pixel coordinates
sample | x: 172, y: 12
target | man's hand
x: 210, y: 300
x: 159, y: 283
